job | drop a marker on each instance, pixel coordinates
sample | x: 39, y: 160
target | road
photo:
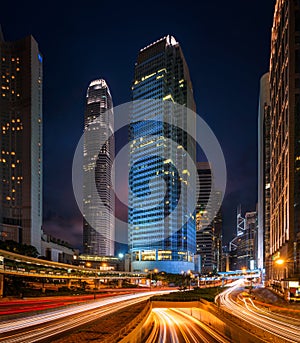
x: 12, y: 307
x: 284, y: 327
x: 45, y: 326
x: 175, y: 326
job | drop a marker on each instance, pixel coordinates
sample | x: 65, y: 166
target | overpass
x: 241, y: 274
x: 20, y: 265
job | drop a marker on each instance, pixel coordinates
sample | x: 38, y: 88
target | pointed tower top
x: 1, y: 34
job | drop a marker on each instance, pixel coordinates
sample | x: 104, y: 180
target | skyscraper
x: 204, y: 225
x: 21, y: 141
x: 159, y: 171
x: 243, y: 248
x: 208, y: 221
x: 98, y: 174
x: 285, y: 142
x: 264, y: 174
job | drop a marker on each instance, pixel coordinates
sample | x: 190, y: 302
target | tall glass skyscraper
x: 21, y: 157
x: 162, y: 231
x: 98, y: 174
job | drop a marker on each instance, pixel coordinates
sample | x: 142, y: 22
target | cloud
x: 67, y: 229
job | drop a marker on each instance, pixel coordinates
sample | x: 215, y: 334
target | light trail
x: 175, y: 326
x: 46, y: 325
x: 287, y: 319
x: 270, y: 323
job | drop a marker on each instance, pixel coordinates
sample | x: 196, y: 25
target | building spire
x: 1, y: 34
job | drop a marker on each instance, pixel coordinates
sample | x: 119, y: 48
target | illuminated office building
x: 263, y: 248
x: 98, y: 174
x: 159, y: 171
x: 21, y: 141
x: 208, y: 221
x: 285, y: 142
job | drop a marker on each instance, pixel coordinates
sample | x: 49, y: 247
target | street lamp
x: 280, y: 261
x: 284, y: 263
x: 285, y: 286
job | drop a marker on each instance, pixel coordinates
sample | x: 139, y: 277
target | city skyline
x: 67, y: 222
x: 150, y: 172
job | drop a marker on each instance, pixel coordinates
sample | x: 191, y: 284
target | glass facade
x: 98, y: 173
x: 161, y: 194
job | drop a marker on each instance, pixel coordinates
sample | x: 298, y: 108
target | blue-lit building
x: 162, y: 232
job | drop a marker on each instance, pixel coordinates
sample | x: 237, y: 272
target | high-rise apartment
x: 98, y: 173
x: 285, y: 143
x: 21, y: 141
x: 161, y: 192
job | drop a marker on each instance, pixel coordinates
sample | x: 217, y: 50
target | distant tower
x: 161, y: 73
x: 21, y: 171
x: 98, y: 174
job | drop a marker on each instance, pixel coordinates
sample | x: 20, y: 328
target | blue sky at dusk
x: 226, y: 45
